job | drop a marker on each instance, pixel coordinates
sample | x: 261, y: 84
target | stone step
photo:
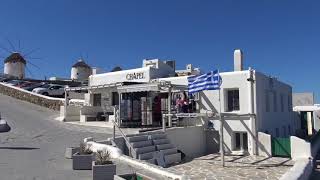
x: 158, y: 136
x: 139, y: 144
x: 164, y: 146
x: 137, y: 138
x: 146, y: 156
x: 146, y: 149
x: 161, y: 141
x: 145, y: 133
x: 172, y: 158
x: 169, y: 151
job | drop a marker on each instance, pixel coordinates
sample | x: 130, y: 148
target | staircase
x: 154, y: 148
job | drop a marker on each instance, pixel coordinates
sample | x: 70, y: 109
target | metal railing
x: 115, y: 125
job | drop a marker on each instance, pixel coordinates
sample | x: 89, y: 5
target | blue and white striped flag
x: 208, y: 81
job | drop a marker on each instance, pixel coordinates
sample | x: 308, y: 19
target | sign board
x: 135, y: 76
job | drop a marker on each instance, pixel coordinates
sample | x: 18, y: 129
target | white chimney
x: 238, y: 60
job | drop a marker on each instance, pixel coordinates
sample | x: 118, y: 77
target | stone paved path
x: 34, y: 148
x: 237, y: 167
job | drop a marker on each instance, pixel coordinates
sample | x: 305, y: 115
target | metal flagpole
x: 221, y: 125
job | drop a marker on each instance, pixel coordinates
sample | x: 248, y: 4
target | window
x: 284, y: 131
x: 267, y: 101
x: 55, y: 87
x: 275, y: 102
x: 282, y: 102
x: 96, y: 99
x: 241, y: 141
x: 115, y: 98
x: 233, y: 100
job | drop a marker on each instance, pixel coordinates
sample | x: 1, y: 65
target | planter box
x: 82, y: 162
x: 70, y: 151
x: 103, y: 172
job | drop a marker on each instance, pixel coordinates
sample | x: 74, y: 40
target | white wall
x: 264, y: 144
x: 300, y: 148
x: 163, y: 70
x: 190, y: 140
x: 16, y: 69
x: 72, y: 113
x: 269, y: 121
x: 106, y: 97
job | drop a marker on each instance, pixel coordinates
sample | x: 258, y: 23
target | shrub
x: 103, y: 157
x: 84, y: 149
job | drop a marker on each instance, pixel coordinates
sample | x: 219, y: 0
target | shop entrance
x: 142, y: 109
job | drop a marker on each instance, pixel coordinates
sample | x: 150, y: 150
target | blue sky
x: 279, y: 38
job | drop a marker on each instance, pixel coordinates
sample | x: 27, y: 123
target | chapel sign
x: 135, y: 76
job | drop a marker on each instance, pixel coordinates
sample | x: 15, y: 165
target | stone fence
x: 18, y: 93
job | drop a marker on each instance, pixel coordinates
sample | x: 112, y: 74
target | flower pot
x: 82, y: 161
x: 70, y: 151
x: 103, y: 172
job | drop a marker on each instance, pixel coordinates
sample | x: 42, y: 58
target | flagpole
x: 221, y: 126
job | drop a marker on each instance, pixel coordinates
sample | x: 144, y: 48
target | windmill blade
x: 4, y: 48
x: 34, y: 65
x: 19, y: 48
x: 35, y: 58
x: 28, y: 70
x: 12, y: 46
x: 30, y: 52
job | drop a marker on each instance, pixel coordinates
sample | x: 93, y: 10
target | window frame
x: 94, y: 102
x: 227, y: 106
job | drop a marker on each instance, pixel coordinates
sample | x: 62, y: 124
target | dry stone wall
x: 51, y: 103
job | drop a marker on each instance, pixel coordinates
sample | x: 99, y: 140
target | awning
x: 93, y: 87
x: 156, y: 87
x: 139, y: 88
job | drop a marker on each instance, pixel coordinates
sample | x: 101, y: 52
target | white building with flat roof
x: 267, y: 98
x: 249, y: 101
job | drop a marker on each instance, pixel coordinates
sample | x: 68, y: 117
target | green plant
x: 103, y: 157
x: 84, y: 149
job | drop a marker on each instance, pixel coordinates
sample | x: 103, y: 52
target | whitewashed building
x: 251, y: 101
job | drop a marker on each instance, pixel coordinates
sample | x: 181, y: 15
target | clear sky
x: 279, y: 38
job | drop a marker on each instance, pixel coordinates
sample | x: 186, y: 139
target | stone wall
x: 48, y: 102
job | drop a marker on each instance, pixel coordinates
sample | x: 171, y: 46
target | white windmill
x: 15, y: 63
x: 80, y: 71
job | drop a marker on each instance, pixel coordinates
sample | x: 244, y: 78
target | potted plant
x: 82, y: 160
x: 103, y: 168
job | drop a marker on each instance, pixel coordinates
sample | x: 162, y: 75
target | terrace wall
x: 18, y: 93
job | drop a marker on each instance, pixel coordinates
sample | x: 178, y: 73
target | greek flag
x: 208, y: 81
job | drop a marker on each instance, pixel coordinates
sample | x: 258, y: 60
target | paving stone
x: 237, y: 167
